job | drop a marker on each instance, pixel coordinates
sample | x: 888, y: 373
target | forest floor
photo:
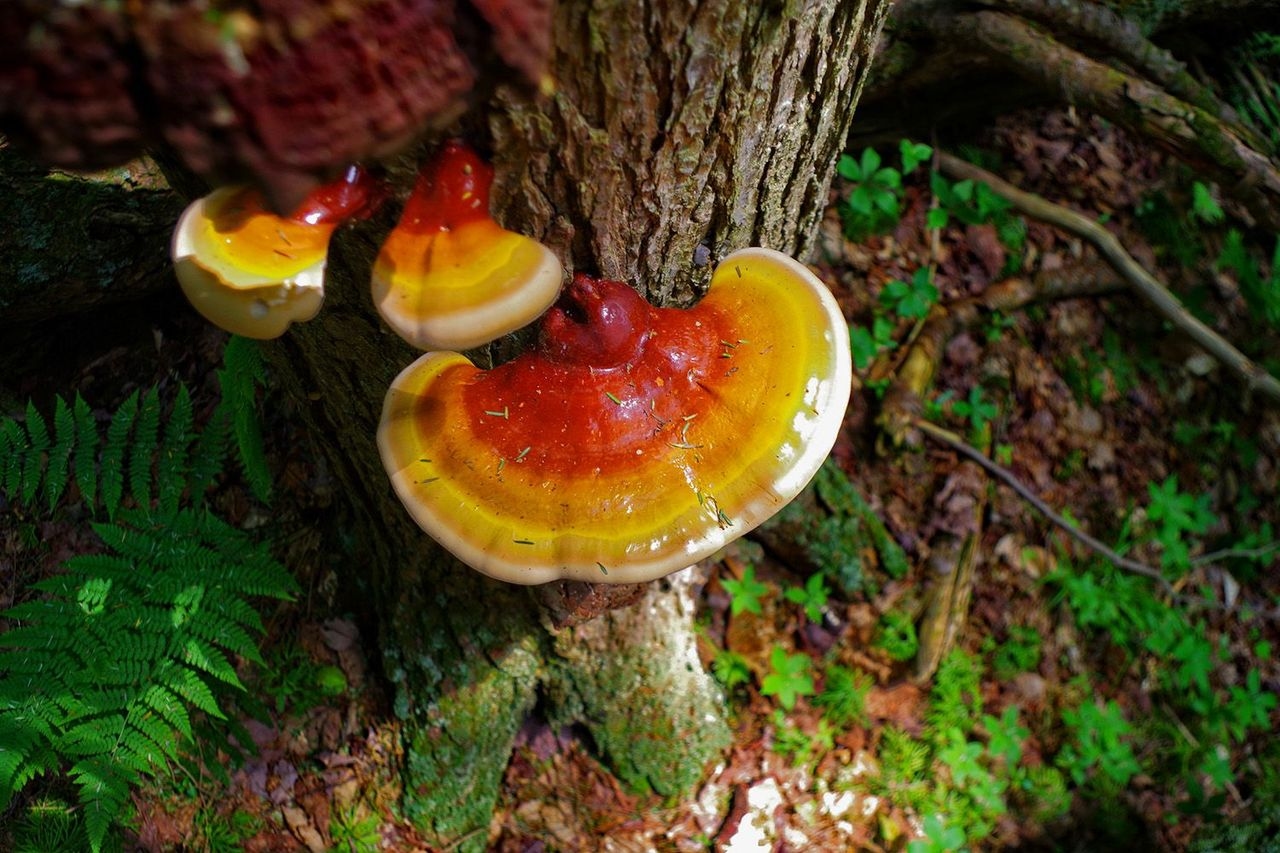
x: 1098, y: 720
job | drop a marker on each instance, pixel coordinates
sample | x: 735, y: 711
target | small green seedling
x: 910, y: 300
x: 745, y: 594
x: 868, y: 343
x: 976, y: 409
x: 896, y: 634
x: 812, y: 596
x: 789, y: 679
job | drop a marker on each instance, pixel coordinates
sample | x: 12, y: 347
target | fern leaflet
x: 143, y: 446
x: 112, y: 477
x: 37, y: 446
x: 64, y: 431
x: 86, y: 453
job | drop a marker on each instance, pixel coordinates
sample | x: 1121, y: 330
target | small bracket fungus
x: 252, y: 272
x: 632, y: 441
x: 448, y: 276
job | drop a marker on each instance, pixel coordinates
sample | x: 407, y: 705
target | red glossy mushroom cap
x: 252, y: 272
x: 448, y: 276
x: 632, y: 441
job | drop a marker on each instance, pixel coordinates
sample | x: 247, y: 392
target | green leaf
x: 172, y: 462
x: 913, y: 154
x: 863, y: 346
x: 1204, y: 206
x: 86, y: 454
x: 745, y: 594
x: 143, y: 447
x: 860, y: 200
x: 912, y: 300
x: 848, y: 169
x: 37, y: 446
x: 870, y: 162
x: 789, y: 679
x: 60, y: 454
x: 242, y: 371
x: 112, y: 478
x: 812, y: 596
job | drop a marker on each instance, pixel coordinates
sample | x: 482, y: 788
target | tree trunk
x: 676, y: 133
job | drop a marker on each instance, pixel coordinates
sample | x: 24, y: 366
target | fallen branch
x: 1143, y: 282
x: 1123, y: 40
x: 1190, y: 133
x: 1007, y: 477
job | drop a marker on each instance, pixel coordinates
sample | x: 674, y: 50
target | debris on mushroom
x: 449, y: 277
x: 252, y: 272
x: 631, y: 441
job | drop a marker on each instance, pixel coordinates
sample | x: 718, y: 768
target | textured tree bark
x: 71, y: 244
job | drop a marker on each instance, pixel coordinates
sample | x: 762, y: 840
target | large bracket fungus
x: 253, y: 273
x: 277, y: 92
x: 631, y: 441
x: 448, y: 276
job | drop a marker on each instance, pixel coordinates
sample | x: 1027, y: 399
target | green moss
x: 656, y: 716
x: 837, y: 539
x: 456, y: 753
x: 465, y: 681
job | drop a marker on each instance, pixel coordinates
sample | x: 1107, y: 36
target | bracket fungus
x: 631, y: 441
x: 253, y: 273
x: 280, y: 93
x: 448, y: 276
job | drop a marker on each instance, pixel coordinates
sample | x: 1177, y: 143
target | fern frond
x: 172, y: 463
x: 169, y: 707
x: 104, y: 787
x: 256, y: 571
x: 99, y: 565
x: 209, y: 455
x: 157, y: 731
x: 64, y: 431
x: 228, y: 635
x: 13, y: 442
x: 239, y: 377
x: 235, y: 611
x: 112, y: 478
x: 205, y: 657
x: 86, y: 454
x: 37, y: 446
x: 23, y: 755
x: 186, y: 683
x: 101, y: 673
x: 143, y: 447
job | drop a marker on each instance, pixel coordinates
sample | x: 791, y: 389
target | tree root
x: 1190, y: 132
x: 1123, y: 39
x: 1142, y: 282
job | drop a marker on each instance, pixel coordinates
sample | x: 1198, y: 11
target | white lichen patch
x: 756, y: 830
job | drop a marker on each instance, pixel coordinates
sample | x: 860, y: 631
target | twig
x: 1005, y: 476
x: 1235, y: 553
x: 1145, y: 284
